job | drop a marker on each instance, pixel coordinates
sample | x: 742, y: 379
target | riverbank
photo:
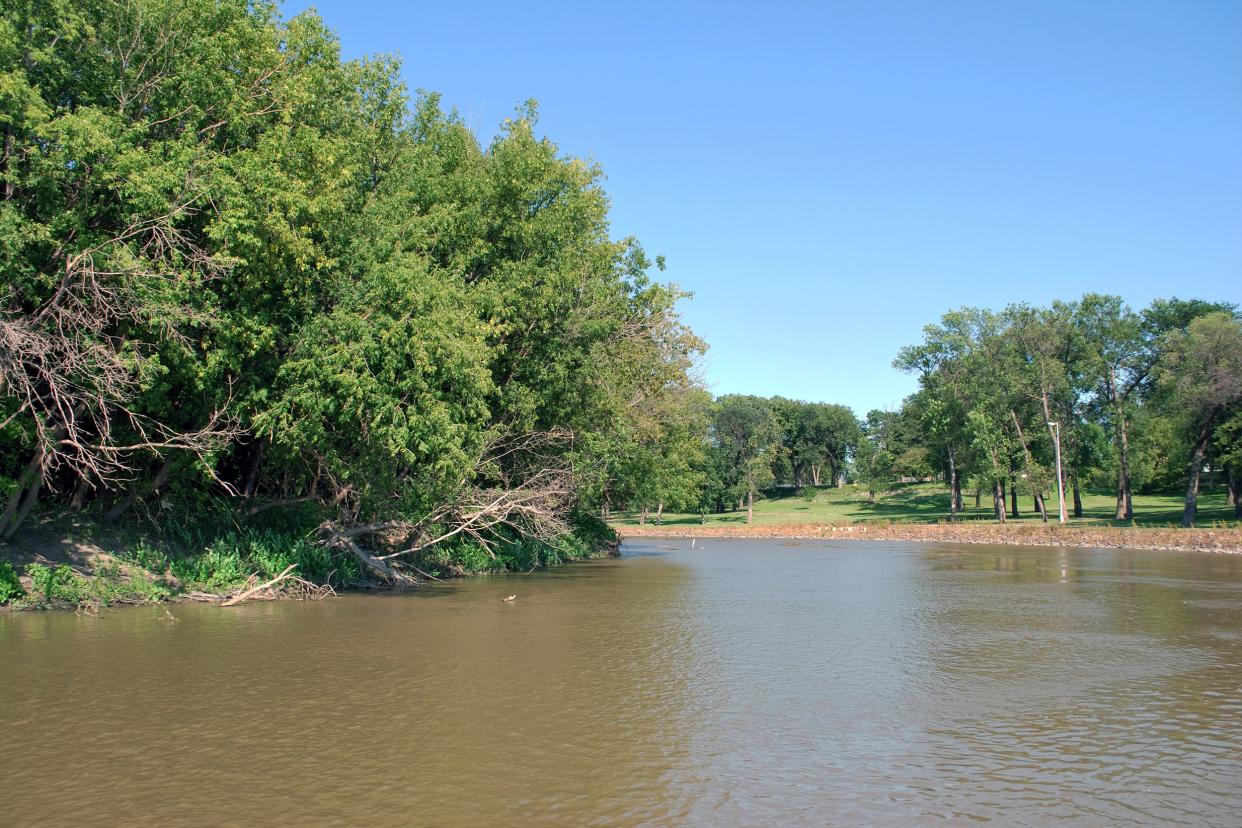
x: 1225, y: 540
x: 65, y: 561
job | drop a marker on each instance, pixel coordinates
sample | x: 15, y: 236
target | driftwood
x: 204, y: 597
x: 520, y: 486
x: 306, y: 588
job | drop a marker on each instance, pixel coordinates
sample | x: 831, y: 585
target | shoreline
x: 1218, y: 541
x: 95, y: 573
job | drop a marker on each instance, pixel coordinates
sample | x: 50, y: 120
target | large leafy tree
x: 1200, y: 371
x: 747, y: 433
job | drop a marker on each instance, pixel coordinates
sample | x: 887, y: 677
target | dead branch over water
x: 529, y: 492
x: 290, y: 586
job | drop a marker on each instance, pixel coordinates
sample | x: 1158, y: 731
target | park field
x: 929, y: 503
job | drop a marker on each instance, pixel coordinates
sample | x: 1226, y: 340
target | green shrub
x: 808, y: 494
x: 144, y: 588
x: 146, y: 556
x: 473, y: 557
x: 58, y: 584
x: 10, y: 584
x: 592, y: 530
x: 226, y: 561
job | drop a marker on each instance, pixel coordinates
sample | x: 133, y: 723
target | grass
x: 929, y: 503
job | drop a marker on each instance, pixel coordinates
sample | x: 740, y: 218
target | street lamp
x: 1056, y: 430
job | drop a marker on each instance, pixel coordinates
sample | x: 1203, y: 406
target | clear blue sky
x: 829, y: 177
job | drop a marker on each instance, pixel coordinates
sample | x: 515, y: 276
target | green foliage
x: 110, y: 584
x: 874, y: 462
x: 1127, y: 390
x: 589, y: 537
x: 314, y: 288
x: 58, y: 583
x: 226, y: 562
x: 10, y: 585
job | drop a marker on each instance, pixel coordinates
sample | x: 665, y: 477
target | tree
x: 748, y: 434
x: 1201, y: 372
x: 815, y: 438
x: 873, y: 462
x: 1122, y: 350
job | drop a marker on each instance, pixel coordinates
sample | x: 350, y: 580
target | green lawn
x: 929, y: 502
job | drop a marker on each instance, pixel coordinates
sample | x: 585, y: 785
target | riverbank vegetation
x: 267, y: 296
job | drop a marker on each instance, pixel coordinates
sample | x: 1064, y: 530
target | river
x: 740, y: 683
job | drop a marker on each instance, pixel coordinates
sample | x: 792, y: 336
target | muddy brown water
x: 741, y: 683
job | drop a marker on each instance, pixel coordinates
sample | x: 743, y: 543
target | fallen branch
x: 339, y: 538
x: 426, y: 575
x: 302, y: 588
x: 237, y: 599
x: 204, y: 597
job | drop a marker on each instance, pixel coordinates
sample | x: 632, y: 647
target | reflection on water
x: 744, y: 683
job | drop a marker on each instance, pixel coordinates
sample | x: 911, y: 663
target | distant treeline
x: 243, y: 277
x: 1139, y: 401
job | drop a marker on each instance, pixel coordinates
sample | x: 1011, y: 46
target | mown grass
x: 929, y: 503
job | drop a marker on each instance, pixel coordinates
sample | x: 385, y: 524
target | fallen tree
x: 530, y: 495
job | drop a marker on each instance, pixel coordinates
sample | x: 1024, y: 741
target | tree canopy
x: 240, y: 269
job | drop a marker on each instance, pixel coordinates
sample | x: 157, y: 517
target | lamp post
x: 1056, y: 428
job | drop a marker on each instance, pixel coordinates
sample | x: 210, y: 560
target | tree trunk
x: 1077, y: 497
x: 642, y: 517
x: 954, y: 492
x: 978, y: 495
x: 1125, y: 499
x: 1196, y: 468
x: 998, y: 500
x: 750, y: 506
x: 28, y: 502
x: 1013, y: 500
x: 19, y: 504
x: 161, y: 477
x: 1030, y: 470
x: 78, y: 500
x: 659, y: 512
x: 1235, y: 490
x: 252, y: 476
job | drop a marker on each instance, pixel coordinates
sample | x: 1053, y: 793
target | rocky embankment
x: 1228, y: 540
